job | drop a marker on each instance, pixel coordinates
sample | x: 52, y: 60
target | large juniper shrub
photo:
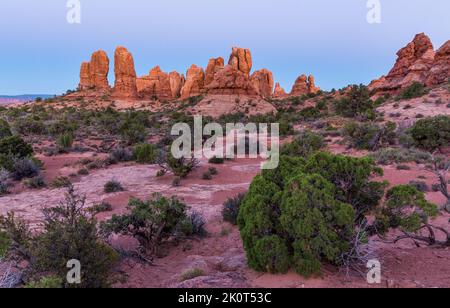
x: 432, y: 133
x: 356, y: 103
x: 366, y: 136
x: 151, y: 222
x: 407, y: 210
x: 305, y: 144
x: 307, y: 211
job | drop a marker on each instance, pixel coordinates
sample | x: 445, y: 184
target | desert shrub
x: 35, y: 182
x: 133, y: 129
x: 366, y: 136
x: 100, y: 208
x: 145, y: 153
x: 213, y: 171
x: 230, y: 209
x: 24, y: 168
x: 207, y: 176
x: 356, y: 103
x: 83, y: 171
x: 310, y: 113
x: 180, y: 167
x: 62, y: 126
x: 193, y: 225
x: 420, y: 186
x: 113, y: 186
x: 431, y: 133
x: 413, y: 91
x: 4, y: 182
x: 191, y: 274
x: 406, y: 209
x: 71, y: 233
x: 305, y: 144
x: 120, y: 154
x: 49, y: 282
x: 176, y: 182
x: 286, y: 208
x: 391, y: 155
x: 65, y: 141
x: 5, y: 243
x: 5, y: 130
x: 216, y: 160
x: 403, y: 167
x: 15, y: 146
x: 29, y: 126
x: 60, y: 182
x: 151, y: 222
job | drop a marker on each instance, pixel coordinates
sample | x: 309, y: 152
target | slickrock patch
x: 217, y: 105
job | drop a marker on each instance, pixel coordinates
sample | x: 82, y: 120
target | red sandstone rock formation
x: 417, y: 62
x: 195, y: 81
x: 176, y: 83
x: 214, y: 66
x: 94, y: 74
x: 304, y: 85
x: 125, y: 84
x: 230, y: 81
x: 241, y: 60
x: 155, y: 85
x: 279, y: 92
x: 440, y: 72
x: 263, y: 82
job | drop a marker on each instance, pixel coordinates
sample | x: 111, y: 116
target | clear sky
x: 41, y: 52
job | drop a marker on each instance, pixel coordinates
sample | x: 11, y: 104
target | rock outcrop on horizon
x: 217, y: 79
x: 440, y: 72
x: 176, y: 83
x: 214, y: 66
x: 416, y: 62
x: 125, y: 83
x: 304, y: 85
x: 263, y: 83
x: 241, y: 60
x: 155, y: 85
x: 94, y: 74
x: 279, y: 92
x: 195, y: 81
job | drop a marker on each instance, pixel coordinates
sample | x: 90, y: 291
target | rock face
x: 94, y: 74
x: 214, y: 66
x: 241, y: 60
x: 304, y: 85
x: 416, y: 62
x: 125, y: 84
x: 279, y: 92
x: 263, y: 82
x: 195, y: 81
x: 440, y: 72
x: 176, y: 83
x: 230, y: 81
x: 155, y: 85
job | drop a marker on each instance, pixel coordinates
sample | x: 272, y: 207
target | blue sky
x: 41, y: 52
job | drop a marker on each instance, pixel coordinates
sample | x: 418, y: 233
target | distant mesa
x: 416, y: 62
x: 218, y: 79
